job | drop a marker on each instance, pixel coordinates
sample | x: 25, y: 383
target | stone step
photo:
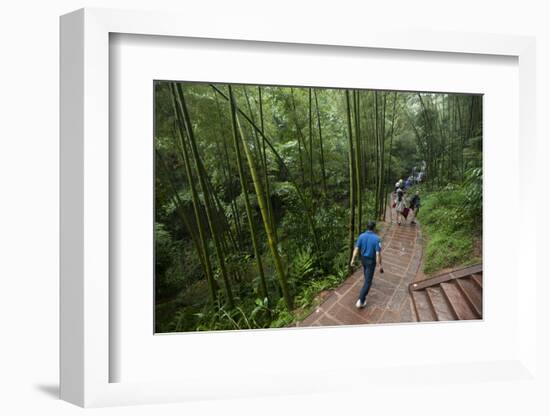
x: 478, y: 279
x: 422, y: 306
x: 473, y: 294
x: 442, y: 308
x: 459, y: 304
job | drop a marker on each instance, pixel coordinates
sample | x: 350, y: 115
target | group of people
x: 369, y: 245
x: 403, y: 205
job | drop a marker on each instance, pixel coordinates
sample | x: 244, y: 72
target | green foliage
x: 281, y: 316
x: 311, y: 221
x: 473, y: 199
x: 452, y: 221
x: 447, y: 250
x: 248, y: 315
x: 174, y: 273
x: 302, y: 266
x: 404, y: 155
x: 305, y: 299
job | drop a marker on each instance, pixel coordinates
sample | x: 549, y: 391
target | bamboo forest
x: 262, y: 191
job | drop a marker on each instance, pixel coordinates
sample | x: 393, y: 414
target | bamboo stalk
x: 351, y: 182
x: 308, y: 209
x: 358, y: 181
x: 195, y: 199
x: 263, y: 209
x: 264, y: 157
x: 244, y: 189
x: 186, y: 222
x: 181, y: 104
x: 323, y: 172
x: 310, y: 131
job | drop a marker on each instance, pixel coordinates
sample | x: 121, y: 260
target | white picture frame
x: 85, y: 354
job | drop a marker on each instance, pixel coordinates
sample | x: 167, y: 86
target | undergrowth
x: 451, y: 221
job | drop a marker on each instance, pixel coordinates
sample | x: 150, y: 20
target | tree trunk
x: 323, y: 172
x: 308, y: 209
x: 382, y: 193
x: 377, y: 152
x: 389, y: 177
x: 351, y: 237
x: 310, y: 131
x: 195, y: 199
x: 263, y: 209
x: 298, y: 136
x: 358, y: 181
x: 264, y: 156
x: 180, y: 100
x: 244, y: 189
x: 227, y: 176
x: 187, y: 224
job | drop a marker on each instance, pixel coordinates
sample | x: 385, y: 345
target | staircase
x: 452, y: 296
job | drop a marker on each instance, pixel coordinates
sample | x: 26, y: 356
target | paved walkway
x: 388, y: 299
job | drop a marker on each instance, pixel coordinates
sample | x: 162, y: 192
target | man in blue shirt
x: 369, y: 245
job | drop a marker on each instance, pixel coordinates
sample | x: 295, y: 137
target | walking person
x: 415, y: 206
x: 400, y: 205
x: 398, y: 184
x: 369, y: 246
x: 396, y: 187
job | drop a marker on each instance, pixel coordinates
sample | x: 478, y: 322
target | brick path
x: 388, y: 299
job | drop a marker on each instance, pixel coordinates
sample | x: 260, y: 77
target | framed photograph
x: 311, y: 214
x: 236, y: 208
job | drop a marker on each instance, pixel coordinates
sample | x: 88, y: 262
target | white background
x: 29, y: 206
